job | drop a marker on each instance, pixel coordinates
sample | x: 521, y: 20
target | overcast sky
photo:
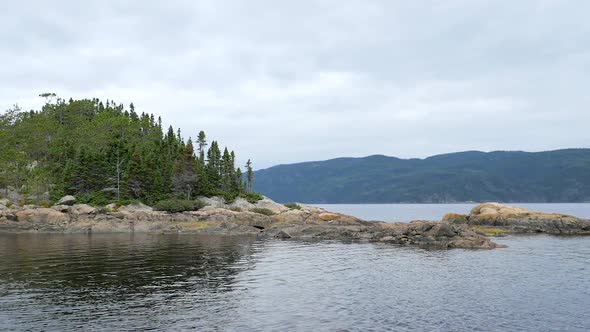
x: 290, y: 81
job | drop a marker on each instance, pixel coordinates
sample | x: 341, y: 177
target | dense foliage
x: 179, y: 205
x: 553, y: 176
x: 103, y: 152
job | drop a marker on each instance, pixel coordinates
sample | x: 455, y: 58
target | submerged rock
x: 512, y: 219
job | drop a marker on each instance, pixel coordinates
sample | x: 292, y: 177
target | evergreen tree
x: 249, y: 176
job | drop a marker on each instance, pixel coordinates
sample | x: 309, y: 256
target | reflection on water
x: 179, y: 282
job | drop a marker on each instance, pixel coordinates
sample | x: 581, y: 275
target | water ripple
x: 142, y: 282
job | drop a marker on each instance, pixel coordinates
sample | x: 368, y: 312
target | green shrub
x: 127, y: 201
x: 294, y: 206
x: 252, y: 197
x: 178, y: 205
x: 265, y: 211
x: 94, y: 199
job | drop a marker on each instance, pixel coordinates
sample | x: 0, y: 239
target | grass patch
x: 293, y: 206
x: 264, y: 211
x: 490, y: 231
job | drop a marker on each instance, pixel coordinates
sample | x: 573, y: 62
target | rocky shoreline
x: 238, y: 218
x: 266, y: 218
x: 499, y: 219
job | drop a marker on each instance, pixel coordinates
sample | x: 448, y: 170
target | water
x: 181, y: 282
x: 409, y: 212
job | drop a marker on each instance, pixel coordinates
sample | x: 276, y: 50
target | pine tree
x: 249, y: 176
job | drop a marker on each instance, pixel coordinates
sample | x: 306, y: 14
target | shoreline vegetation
x: 268, y: 219
x: 106, y: 153
x: 84, y: 166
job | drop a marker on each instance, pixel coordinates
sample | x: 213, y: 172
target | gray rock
x: 267, y: 203
x: 136, y: 207
x: 66, y: 200
x: 61, y: 208
x: 78, y: 209
x: 283, y: 235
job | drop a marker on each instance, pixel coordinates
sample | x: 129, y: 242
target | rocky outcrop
x: 511, y: 219
x: 239, y: 218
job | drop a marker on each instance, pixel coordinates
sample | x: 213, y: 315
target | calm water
x: 182, y: 282
x: 408, y: 212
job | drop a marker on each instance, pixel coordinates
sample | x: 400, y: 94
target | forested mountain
x: 553, y: 176
x: 104, y: 152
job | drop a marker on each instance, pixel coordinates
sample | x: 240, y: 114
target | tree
x: 249, y: 176
x: 202, y: 142
x: 92, y: 148
x: 185, y: 179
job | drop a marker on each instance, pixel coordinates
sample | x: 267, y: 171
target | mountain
x: 504, y: 176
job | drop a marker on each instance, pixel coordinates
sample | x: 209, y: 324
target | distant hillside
x: 553, y: 176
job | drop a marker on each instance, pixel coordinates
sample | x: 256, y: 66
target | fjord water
x: 183, y: 282
x: 408, y: 212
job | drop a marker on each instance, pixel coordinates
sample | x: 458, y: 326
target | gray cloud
x: 308, y: 80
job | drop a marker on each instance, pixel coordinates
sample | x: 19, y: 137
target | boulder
x: 41, y: 215
x: 4, y: 201
x: 112, y: 207
x: 241, y: 204
x: 267, y: 203
x: 512, y: 219
x: 136, y: 207
x: 78, y: 209
x: 66, y: 200
x: 61, y: 208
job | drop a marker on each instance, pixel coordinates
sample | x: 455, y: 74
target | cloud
x: 308, y: 80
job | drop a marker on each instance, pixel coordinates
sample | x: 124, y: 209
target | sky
x: 290, y: 81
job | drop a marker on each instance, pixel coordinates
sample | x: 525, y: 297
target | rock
x: 78, y: 209
x: 136, y: 207
x: 61, y: 208
x: 511, y: 219
x: 267, y: 203
x: 111, y: 207
x: 291, y: 216
x: 326, y: 216
x: 241, y: 204
x: 283, y: 235
x: 306, y: 223
x: 66, y: 200
x: 455, y: 218
x: 44, y: 215
x: 4, y: 201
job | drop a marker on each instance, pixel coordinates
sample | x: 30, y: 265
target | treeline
x: 104, y: 152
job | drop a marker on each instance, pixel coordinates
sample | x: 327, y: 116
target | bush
x: 265, y: 211
x: 94, y: 199
x: 294, y: 206
x: 252, y: 197
x: 178, y: 205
